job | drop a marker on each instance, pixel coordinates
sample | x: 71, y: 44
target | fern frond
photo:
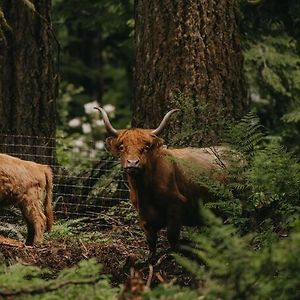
x: 246, y: 135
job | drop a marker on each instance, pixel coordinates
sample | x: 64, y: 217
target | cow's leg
x: 174, y: 226
x: 173, y: 234
x: 151, y: 236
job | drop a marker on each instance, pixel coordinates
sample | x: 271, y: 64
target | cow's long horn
x: 107, y: 123
x: 164, y: 122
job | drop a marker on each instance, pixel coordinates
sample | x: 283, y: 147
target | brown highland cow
x: 28, y: 185
x: 162, y: 184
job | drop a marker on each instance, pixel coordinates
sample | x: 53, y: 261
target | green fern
x: 245, y: 135
x: 263, y: 181
x: 228, y: 267
x: 80, y: 282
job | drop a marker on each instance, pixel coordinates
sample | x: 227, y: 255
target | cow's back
x: 203, y: 159
x: 192, y: 167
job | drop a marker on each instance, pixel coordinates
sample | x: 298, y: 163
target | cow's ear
x: 111, y: 145
x: 158, y: 142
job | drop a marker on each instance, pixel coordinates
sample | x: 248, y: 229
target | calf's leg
x: 33, y: 215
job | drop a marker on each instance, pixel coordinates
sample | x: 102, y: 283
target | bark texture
x: 27, y: 77
x: 188, y: 56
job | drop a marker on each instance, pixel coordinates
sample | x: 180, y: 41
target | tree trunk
x: 188, y: 56
x: 27, y: 79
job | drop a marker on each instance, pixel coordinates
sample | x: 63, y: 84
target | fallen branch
x: 159, y: 277
x: 10, y: 242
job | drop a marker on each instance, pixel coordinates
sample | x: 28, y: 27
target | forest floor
x: 119, y: 249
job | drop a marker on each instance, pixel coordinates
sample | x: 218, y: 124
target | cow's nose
x: 133, y: 163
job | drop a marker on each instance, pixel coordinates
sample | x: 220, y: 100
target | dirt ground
x: 120, y: 250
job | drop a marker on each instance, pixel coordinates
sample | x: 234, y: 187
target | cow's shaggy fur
x: 28, y: 185
x: 164, y: 184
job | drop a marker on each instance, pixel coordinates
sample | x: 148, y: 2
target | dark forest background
x: 97, y: 63
x: 232, y: 67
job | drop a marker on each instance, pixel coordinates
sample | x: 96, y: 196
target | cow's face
x: 136, y: 148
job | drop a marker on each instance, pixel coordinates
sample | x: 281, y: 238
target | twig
x: 111, y: 218
x: 159, y: 277
x: 218, y: 157
x: 159, y: 261
x: 149, y: 276
x: 85, y: 249
x: 11, y: 242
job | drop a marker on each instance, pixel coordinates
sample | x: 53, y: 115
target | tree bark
x: 27, y: 79
x: 188, y: 56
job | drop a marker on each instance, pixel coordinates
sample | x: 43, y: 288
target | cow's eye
x: 147, y: 147
x: 121, y: 148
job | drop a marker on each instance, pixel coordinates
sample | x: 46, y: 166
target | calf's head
x: 135, y: 146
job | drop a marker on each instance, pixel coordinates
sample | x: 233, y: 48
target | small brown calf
x: 28, y: 185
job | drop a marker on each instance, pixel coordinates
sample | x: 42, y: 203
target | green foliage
x: 274, y: 176
x: 170, y: 292
x: 95, y: 64
x: 254, y: 254
x: 263, y: 181
x: 271, y: 41
x: 246, y: 135
x: 124, y: 213
x: 223, y: 256
x: 231, y: 269
x: 65, y: 229
x: 293, y: 116
x: 245, y: 258
x: 80, y: 282
x: 97, y: 50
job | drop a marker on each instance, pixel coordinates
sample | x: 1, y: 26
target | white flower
x: 78, y: 143
x: 99, y: 145
x: 86, y: 128
x: 92, y: 153
x: 89, y: 107
x: 74, y: 122
x: 109, y: 108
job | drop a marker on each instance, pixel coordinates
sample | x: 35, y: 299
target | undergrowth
x: 83, y: 281
x: 250, y: 250
x: 247, y: 249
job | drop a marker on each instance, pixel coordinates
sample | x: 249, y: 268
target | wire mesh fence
x: 89, y: 184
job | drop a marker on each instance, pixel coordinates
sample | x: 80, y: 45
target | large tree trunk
x: 188, y: 56
x: 27, y: 78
